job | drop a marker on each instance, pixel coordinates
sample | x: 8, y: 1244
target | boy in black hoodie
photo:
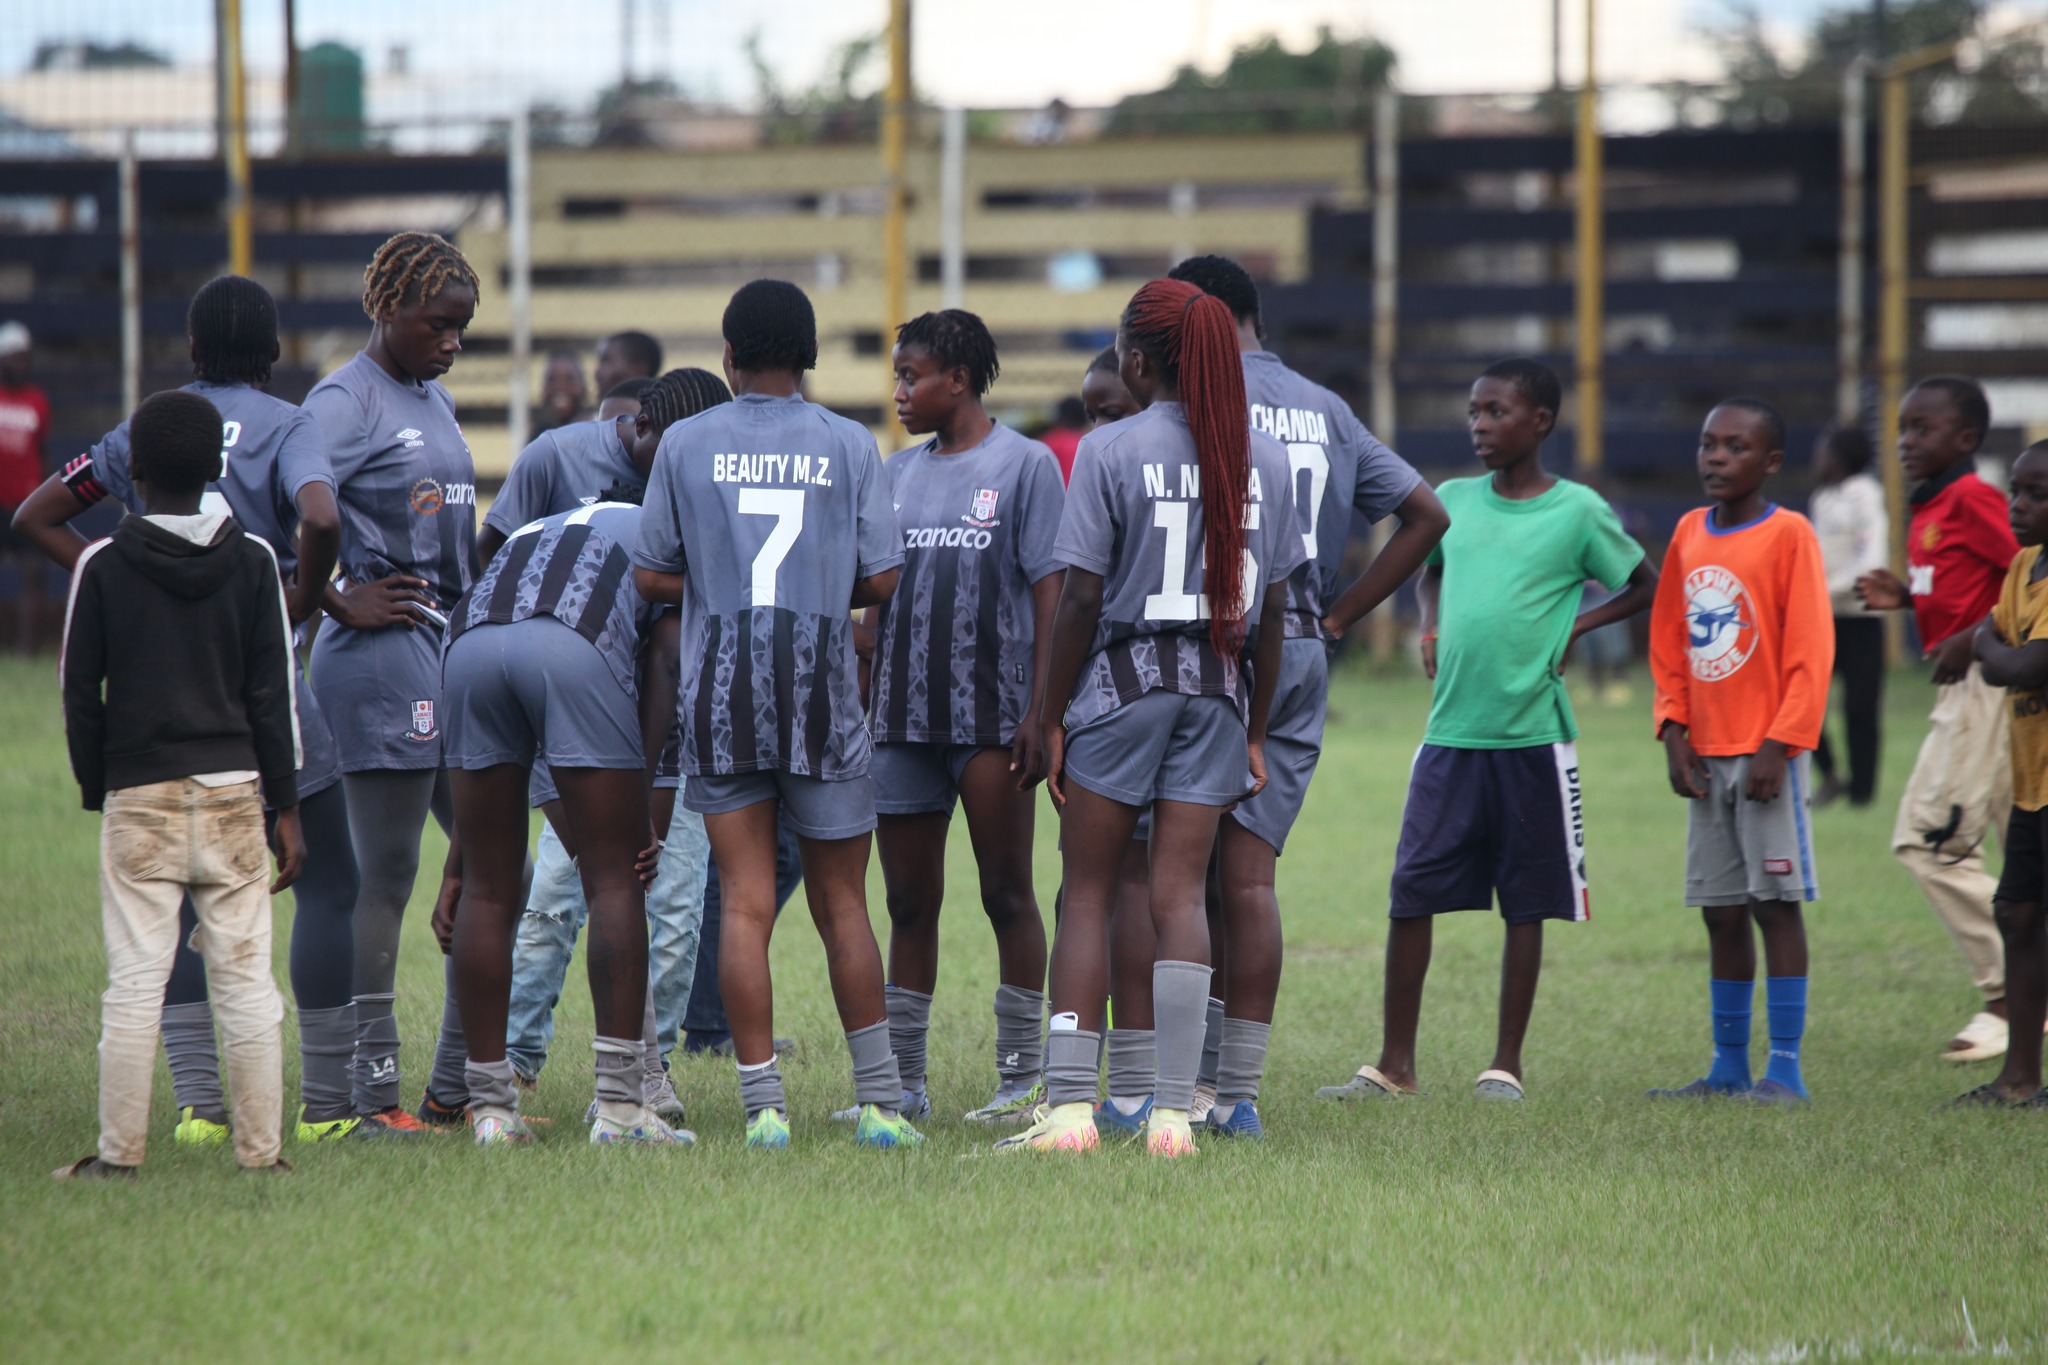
x: 177, y: 704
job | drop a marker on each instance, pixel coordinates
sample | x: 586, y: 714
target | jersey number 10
x: 212, y: 500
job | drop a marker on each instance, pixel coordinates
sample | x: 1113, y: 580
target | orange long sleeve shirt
x: 1742, y: 635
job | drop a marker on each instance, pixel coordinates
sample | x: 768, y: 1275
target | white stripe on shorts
x: 1570, y: 795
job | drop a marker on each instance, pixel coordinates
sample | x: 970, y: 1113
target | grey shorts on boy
x: 1165, y: 746
x: 815, y: 808
x: 1738, y: 850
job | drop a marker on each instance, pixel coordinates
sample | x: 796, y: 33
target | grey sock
x: 446, y: 1086
x: 1180, y: 1007
x: 619, y: 1078
x: 373, y: 1079
x: 910, y: 1019
x: 491, y: 1083
x: 1020, y: 1024
x: 1132, y: 1062
x: 1212, y: 1045
x: 195, y: 1064
x: 650, y: 1042
x: 761, y: 1088
x: 875, y: 1077
x: 1244, y: 1060
x: 327, y: 1040
x: 1071, y: 1057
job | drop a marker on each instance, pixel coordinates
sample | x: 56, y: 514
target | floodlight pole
x: 953, y: 210
x: 519, y: 263
x: 1592, y: 254
x: 235, y: 136
x: 895, y: 112
x: 1384, y: 627
x: 131, y: 275
x: 1850, y: 263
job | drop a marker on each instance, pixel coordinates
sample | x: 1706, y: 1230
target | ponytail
x: 1193, y: 338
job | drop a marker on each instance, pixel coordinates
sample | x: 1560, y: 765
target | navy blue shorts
x: 1487, y: 822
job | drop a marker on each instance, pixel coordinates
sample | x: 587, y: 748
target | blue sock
x: 1785, y: 1004
x: 1731, y: 1006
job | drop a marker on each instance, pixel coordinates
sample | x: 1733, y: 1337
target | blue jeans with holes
x: 555, y: 912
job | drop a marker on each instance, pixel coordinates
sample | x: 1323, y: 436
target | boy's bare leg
x: 2026, y: 993
x: 1784, y: 934
x: 1731, y: 948
x: 1409, y: 942
x: 1521, y: 961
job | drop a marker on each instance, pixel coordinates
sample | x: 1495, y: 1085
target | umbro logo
x: 411, y: 437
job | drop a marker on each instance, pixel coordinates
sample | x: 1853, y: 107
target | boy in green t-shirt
x: 1494, y: 797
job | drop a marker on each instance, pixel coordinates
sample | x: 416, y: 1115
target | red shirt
x: 1958, y: 545
x: 1064, y: 442
x: 24, y: 426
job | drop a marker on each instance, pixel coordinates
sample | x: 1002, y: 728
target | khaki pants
x: 1962, y: 777
x: 158, y: 842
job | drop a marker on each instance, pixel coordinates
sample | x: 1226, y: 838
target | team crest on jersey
x: 422, y: 722
x: 982, y: 511
x: 427, y: 497
x: 1720, y: 622
x: 1930, y: 537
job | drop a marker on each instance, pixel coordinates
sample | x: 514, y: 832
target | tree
x: 1265, y: 88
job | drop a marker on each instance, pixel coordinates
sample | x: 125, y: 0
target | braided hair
x: 955, y: 337
x: 233, y: 326
x: 679, y: 394
x: 414, y: 266
x: 1192, y: 338
x: 771, y: 325
x: 1226, y: 279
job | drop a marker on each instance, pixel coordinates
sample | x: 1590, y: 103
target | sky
x: 976, y: 52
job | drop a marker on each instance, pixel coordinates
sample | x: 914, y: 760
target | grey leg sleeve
x: 1180, y: 1007
x: 195, y: 1062
x: 619, y: 1078
x: 327, y: 1040
x: 1132, y: 1062
x: 1071, y: 1058
x: 446, y: 1086
x: 373, y: 1081
x: 761, y: 1088
x: 1212, y: 1045
x: 1244, y: 1060
x: 875, y: 1077
x: 910, y: 1019
x: 490, y: 1083
x: 1020, y: 1033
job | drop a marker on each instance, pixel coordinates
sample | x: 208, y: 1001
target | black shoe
x: 92, y: 1168
x: 437, y: 1115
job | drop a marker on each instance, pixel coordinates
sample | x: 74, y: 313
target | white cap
x: 13, y: 338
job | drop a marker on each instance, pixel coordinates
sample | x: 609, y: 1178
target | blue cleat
x: 1776, y: 1093
x: 877, y: 1129
x: 1240, y: 1120
x: 1704, y: 1088
x: 1112, y: 1122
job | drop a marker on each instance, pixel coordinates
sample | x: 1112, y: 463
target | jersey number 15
x: 1173, y: 602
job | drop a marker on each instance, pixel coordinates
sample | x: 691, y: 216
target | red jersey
x: 1064, y: 442
x: 1958, y: 545
x: 24, y: 426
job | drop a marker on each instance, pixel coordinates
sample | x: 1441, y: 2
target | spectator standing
x: 1850, y: 517
x: 24, y: 430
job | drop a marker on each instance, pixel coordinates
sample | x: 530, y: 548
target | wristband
x: 1427, y: 638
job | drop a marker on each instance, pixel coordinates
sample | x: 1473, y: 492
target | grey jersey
x: 569, y: 467
x: 1134, y: 515
x: 1338, y: 468
x: 403, y: 477
x: 576, y: 567
x: 269, y: 451
x: 954, y: 650
x: 772, y: 508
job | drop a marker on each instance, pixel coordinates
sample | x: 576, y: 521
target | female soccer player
x: 956, y: 691
x: 407, y: 489
x: 768, y: 518
x: 543, y: 661
x: 276, y: 482
x: 1179, y: 535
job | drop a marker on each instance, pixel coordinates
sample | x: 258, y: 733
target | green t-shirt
x: 1513, y: 574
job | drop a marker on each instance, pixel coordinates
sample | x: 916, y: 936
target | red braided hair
x: 1193, y: 339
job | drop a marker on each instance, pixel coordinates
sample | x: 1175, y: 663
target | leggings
x: 325, y: 899
x: 387, y: 810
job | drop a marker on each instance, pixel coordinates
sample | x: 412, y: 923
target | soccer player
x: 24, y: 428
x: 178, y: 707
x: 956, y: 690
x: 2012, y: 651
x: 407, y: 490
x: 626, y: 355
x: 543, y: 662
x: 562, y: 392
x: 1178, y: 535
x: 1958, y: 544
x: 274, y: 477
x: 1742, y: 646
x: 1494, y: 797
x: 768, y: 519
x: 1104, y: 399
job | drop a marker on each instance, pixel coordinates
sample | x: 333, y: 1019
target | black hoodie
x: 192, y: 646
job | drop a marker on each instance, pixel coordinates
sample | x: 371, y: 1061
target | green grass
x: 1585, y: 1224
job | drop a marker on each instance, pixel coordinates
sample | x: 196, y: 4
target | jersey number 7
x: 786, y: 505
x: 1175, y: 603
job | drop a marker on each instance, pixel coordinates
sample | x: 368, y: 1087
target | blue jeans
x: 555, y: 913
x: 704, y: 1020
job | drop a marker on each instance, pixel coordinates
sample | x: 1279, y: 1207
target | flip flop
x: 1499, y: 1086
x: 1369, y: 1084
x: 1987, y: 1096
x: 1984, y: 1038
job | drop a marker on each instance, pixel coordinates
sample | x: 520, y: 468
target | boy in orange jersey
x: 1742, y: 644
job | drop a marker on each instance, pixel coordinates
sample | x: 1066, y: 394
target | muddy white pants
x: 156, y: 843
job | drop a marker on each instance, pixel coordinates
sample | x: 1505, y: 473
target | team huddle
x: 716, y: 638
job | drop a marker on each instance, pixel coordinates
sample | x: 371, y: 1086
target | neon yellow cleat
x: 1059, y: 1128
x: 193, y: 1131
x: 1167, y: 1133
x: 768, y: 1131
x: 320, y: 1130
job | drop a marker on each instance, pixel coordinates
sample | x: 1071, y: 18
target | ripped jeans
x: 555, y: 912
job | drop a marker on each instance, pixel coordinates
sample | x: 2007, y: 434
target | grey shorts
x: 814, y: 808
x: 1163, y: 747
x: 535, y: 689
x: 380, y: 691
x: 1294, y: 741
x: 922, y: 779
x: 321, y: 767
x: 1738, y: 850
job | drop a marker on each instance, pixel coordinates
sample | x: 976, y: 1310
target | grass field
x: 1583, y: 1225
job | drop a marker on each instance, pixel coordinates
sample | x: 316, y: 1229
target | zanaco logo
x: 1720, y: 622
x: 431, y: 495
